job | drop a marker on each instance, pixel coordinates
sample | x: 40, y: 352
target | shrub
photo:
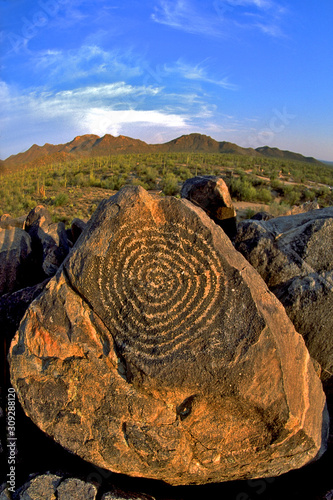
x: 243, y: 190
x: 265, y: 196
x: 61, y: 199
x: 139, y: 182
x: 292, y: 195
x: 170, y: 185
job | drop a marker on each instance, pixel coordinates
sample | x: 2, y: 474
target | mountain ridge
x: 91, y: 145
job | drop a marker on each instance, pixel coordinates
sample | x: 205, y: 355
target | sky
x: 252, y: 72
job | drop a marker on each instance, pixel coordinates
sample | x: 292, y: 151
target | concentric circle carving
x: 160, y: 287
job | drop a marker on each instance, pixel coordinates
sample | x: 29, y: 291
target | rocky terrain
x: 148, y: 346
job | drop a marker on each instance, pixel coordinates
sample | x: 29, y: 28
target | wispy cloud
x: 88, y: 61
x: 199, y: 73
x: 222, y: 17
x: 187, y: 17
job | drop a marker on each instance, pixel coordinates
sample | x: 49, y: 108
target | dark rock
x: 5, y: 494
x: 262, y: 216
x: 77, y: 227
x: 14, y: 305
x: 293, y: 254
x: 12, y: 309
x: 15, y: 259
x: 157, y: 351
x: 49, y: 240
x: 212, y: 194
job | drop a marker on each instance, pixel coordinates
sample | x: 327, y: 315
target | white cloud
x: 49, y: 116
x: 101, y: 121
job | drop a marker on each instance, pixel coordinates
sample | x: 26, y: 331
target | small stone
x: 5, y: 494
x: 76, y: 489
x: 40, y: 487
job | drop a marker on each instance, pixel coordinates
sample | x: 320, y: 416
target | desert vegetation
x: 74, y: 188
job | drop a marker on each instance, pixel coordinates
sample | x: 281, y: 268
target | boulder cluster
x: 162, y: 340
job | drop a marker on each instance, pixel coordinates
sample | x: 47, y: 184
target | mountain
x: 91, y: 145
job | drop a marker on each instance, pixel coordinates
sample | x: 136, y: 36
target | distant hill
x: 286, y: 155
x: 91, y: 145
x: 329, y: 163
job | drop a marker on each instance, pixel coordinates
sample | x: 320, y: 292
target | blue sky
x: 253, y: 72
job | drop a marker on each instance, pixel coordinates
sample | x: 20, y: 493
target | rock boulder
x: 294, y: 255
x: 212, y: 194
x: 49, y: 240
x: 15, y: 259
x: 158, y: 351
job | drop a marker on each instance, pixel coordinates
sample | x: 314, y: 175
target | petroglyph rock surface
x: 158, y: 351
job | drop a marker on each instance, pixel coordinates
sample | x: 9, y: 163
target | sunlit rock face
x: 158, y: 351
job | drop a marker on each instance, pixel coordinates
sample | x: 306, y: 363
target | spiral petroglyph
x: 160, y: 287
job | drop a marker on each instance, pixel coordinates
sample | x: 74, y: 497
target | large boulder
x: 158, y: 351
x: 15, y: 259
x: 212, y: 194
x: 294, y: 255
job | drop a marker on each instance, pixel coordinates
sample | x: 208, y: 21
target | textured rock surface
x: 122, y: 495
x: 15, y: 250
x: 50, y: 243
x: 7, y: 222
x: 305, y: 207
x: 43, y: 486
x: 158, y: 351
x: 212, y: 194
x: 55, y: 487
x: 294, y: 255
x: 76, y: 489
